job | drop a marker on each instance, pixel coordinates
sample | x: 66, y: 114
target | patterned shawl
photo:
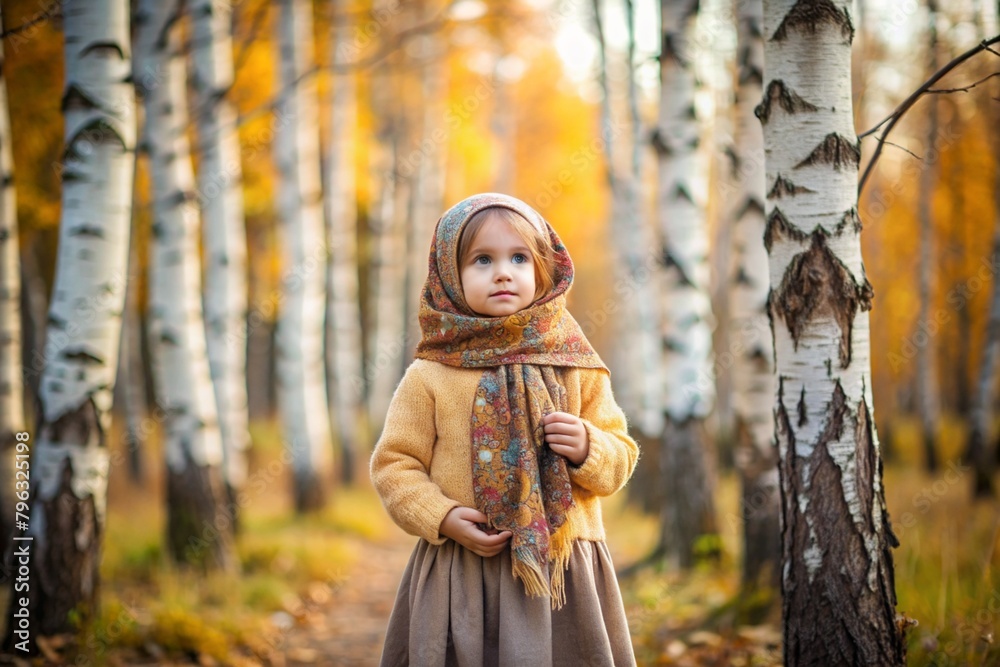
x: 519, y: 483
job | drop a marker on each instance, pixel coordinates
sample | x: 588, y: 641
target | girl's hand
x: 460, y: 525
x: 566, y: 435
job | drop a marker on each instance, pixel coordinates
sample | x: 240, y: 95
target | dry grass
x: 944, y: 571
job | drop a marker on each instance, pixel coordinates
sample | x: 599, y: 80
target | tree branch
x: 902, y: 148
x: 964, y: 89
x: 905, y: 106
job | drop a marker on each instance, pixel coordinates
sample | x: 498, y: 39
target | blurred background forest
x: 416, y: 106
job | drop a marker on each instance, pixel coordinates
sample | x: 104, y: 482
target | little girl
x: 503, y: 433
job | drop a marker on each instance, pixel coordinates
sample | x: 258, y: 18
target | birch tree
x: 69, y: 456
x: 199, y: 531
x: 301, y: 383
x: 689, y: 390
x: 11, y: 382
x: 386, y: 350
x: 343, y: 308
x: 220, y: 192
x: 634, y: 356
x: 753, y: 365
x: 926, y: 380
x: 837, y: 572
x: 978, y: 447
x: 429, y: 174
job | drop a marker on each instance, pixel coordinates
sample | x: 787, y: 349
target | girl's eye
x: 484, y: 258
x: 520, y: 258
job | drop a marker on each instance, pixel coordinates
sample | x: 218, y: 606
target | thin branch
x: 902, y: 148
x: 905, y: 106
x: 963, y: 89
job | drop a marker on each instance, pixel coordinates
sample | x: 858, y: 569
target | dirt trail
x: 348, y: 630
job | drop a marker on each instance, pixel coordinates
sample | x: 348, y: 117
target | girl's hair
x: 539, y: 244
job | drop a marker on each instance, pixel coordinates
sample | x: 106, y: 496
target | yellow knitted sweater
x: 422, y: 463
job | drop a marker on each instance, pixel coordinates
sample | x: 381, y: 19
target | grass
x: 944, y: 570
x: 178, y: 615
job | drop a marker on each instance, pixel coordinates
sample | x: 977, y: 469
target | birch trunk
x: 343, y: 330
x: 11, y: 378
x: 837, y: 573
x: 429, y: 181
x: 634, y: 239
x: 220, y: 193
x: 753, y: 363
x: 926, y: 383
x: 982, y: 412
x: 199, y: 530
x: 69, y: 454
x: 302, y: 390
x: 688, y: 515
x: 633, y: 272
x: 130, y: 385
x: 386, y: 352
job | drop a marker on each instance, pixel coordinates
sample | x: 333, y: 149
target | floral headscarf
x: 519, y: 483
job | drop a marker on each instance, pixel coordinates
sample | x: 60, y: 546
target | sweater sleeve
x: 613, y: 453
x: 401, y: 461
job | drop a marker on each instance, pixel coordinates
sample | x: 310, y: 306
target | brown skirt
x: 455, y: 608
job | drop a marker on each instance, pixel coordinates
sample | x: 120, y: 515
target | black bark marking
x: 749, y: 72
x: 816, y: 284
x: 742, y: 277
x: 76, y: 97
x: 789, y: 100
x: 864, y: 455
x: 801, y: 408
x: 752, y: 204
x: 777, y: 224
x: 769, y: 308
x: 810, y: 15
x: 195, y: 502
x: 97, y: 131
x: 668, y: 261
x: 82, y: 357
x: 661, y: 145
x: 670, y: 51
x: 86, y: 229
x: 850, y: 219
x: 834, y: 150
x: 103, y: 48
x: 783, y: 187
x: 833, y: 617
x: 681, y: 192
x: 170, y: 338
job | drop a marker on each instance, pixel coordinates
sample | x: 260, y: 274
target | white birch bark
x: 837, y: 575
x: 192, y: 443
x: 688, y: 379
x: 343, y: 329
x: 301, y: 382
x: 70, y: 460
x: 639, y: 310
x: 387, y: 350
x: 11, y: 380
x: 429, y: 178
x: 753, y: 350
x: 220, y: 193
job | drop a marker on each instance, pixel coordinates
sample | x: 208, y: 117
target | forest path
x: 348, y: 629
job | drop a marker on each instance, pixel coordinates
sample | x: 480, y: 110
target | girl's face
x: 498, y: 275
